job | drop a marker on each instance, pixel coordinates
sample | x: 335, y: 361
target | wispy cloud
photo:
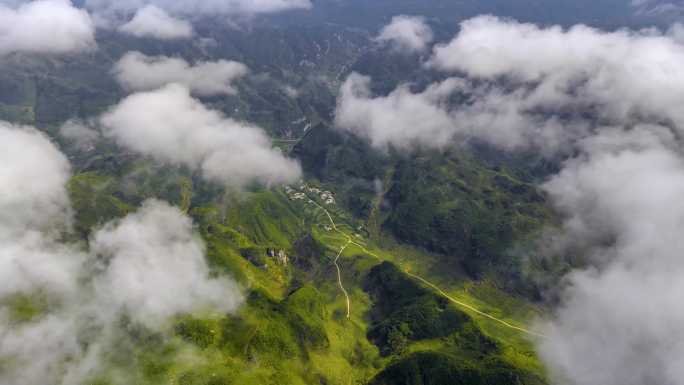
x: 171, y: 126
x: 152, y: 21
x: 138, y: 72
x: 406, y: 34
x: 146, y: 267
x: 45, y: 27
x: 115, y: 13
x: 608, y: 103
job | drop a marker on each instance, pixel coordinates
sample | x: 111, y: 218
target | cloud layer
x: 138, y: 72
x: 152, y: 21
x: 45, y: 27
x: 31, y: 196
x: 33, y: 203
x: 149, y: 266
x: 79, y: 133
x: 151, y: 257
x: 515, y: 102
x: 620, y: 323
x: 609, y: 103
x: 580, y: 63
x: 113, y: 12
x: 402, y: 119
x: 512, y: 119
x: 620, y: 193
x: 406, y: 34
x: 170, y: 126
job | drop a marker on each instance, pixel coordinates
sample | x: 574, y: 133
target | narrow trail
x: 339, y: 280
x: 350, y: 241
x: 337, y: 258
x: 471, y: 308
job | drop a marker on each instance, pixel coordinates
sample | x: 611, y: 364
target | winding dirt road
x: 337, y: 258
x: 471, y: 308
x: 339, y: 279
x: 350, y: 241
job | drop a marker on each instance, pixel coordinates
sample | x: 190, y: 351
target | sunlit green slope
x: 280, y: 246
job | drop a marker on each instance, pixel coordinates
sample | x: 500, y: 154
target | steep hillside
x: 293, y: 327
x: 378, y: 267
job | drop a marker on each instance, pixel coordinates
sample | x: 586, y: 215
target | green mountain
x: 296, y: 326
x: 412, y: 275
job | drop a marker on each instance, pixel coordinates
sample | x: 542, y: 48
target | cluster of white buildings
x: 279, y: 256
x: 326, y: 197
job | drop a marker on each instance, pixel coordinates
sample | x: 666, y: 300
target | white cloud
x: 610, y: 102
x: 34, y: 210
x: 291, y: 92
x: 528, y: 87
x: 45, y: 27
x: 39, y: 349
x: 170, y: 126
x: 79, y: 133
x: 109, y: 12
x: 620, y: 323
x: 152, y: 21
x: 33, y: 173
x: 406, y: 34
x: 137, y: 72
x: 36, y: 262
x: 407, y: 120
x: 153, y: 256
x: 573, y: 65
x: 149, y: 266
x: 402, y: 119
